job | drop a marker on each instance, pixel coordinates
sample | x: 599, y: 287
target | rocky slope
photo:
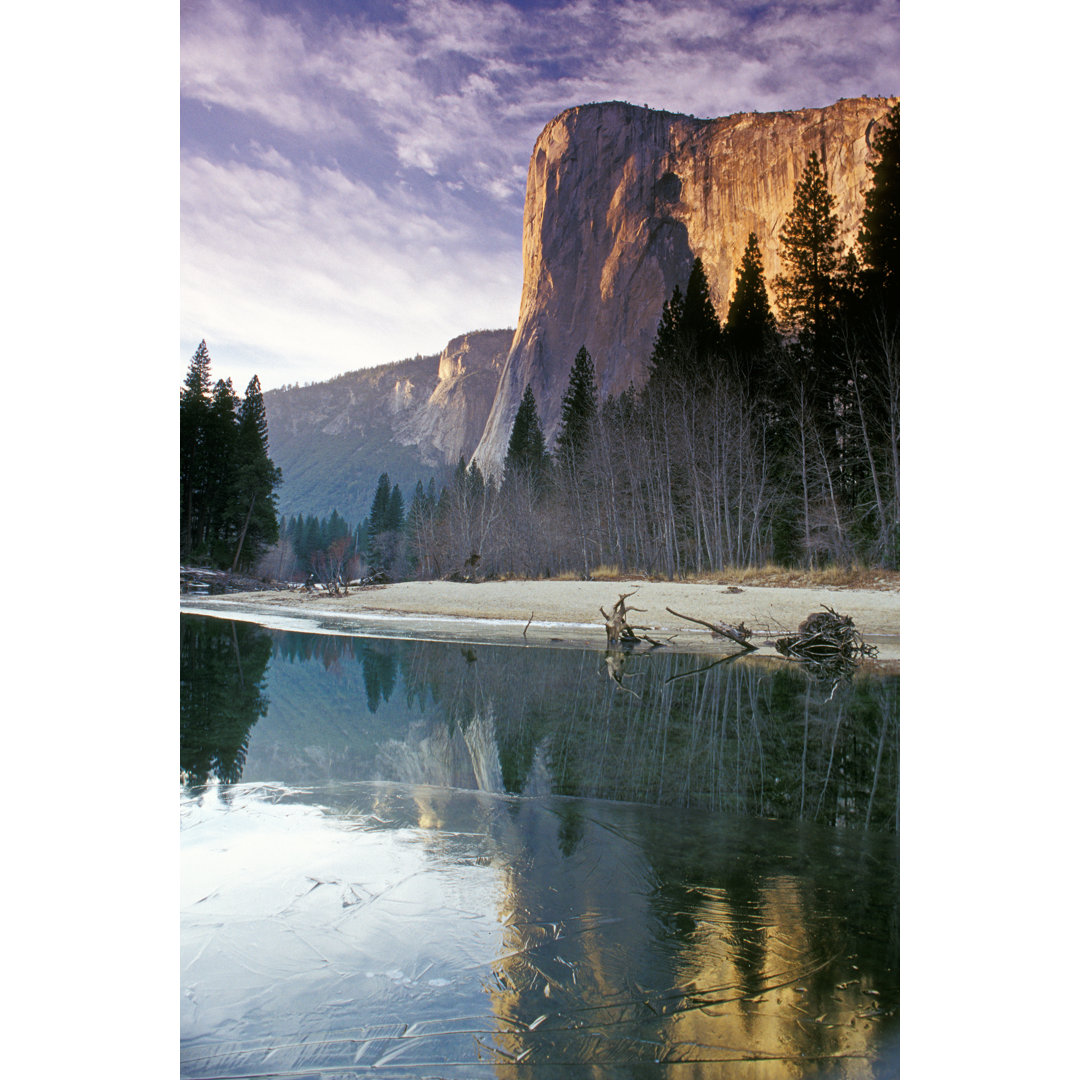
x: 619, y: 201
x: 333, y: 439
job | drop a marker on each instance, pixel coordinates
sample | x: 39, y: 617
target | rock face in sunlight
x: 333, y: 439
x: 619, y: 202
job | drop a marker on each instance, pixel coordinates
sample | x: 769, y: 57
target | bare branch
x: 739, y: 634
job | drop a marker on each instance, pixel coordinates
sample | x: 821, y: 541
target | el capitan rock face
x: 621, y: 199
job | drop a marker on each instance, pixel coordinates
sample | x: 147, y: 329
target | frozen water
x: 362, y: 891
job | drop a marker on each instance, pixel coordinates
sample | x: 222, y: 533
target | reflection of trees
x: 745, y: 736
x: 222, y: 673
x: 380, y: 674
x: 748, y: 737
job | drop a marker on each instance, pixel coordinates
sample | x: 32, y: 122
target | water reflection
x: 747, y: 736
x: 406, y: 857
x: 222, y: 673
x: 453, y: 933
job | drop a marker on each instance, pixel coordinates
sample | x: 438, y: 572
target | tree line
x: 227, y: 504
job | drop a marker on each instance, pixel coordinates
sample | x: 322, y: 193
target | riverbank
x: 565, y: 610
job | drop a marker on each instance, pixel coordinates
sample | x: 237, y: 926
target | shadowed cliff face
x: 333, y: 439
x: 621, y: 199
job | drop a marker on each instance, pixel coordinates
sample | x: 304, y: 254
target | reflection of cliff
x: 222, y: 671
x: 741, y: 737
x: 456, y: 756
x: 662, y: 938
x: 738, y: 736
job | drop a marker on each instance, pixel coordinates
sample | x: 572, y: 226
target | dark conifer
x: 811, y: 256
x: 194, y: 413
x: 220, y: 456
x: 664, y: 360
x: 688, y: 339
x: 700, y: 325
x: 526, y: 453
x: 879, y: 236
x: 395, y: 511
x: 579, y: 409
x: 380, y: 507
x: 256, y: 477
x: 750, y: 329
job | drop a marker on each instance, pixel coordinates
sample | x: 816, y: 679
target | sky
x: 352, y: 174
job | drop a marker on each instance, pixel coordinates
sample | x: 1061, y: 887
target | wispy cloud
x: 353, y: 173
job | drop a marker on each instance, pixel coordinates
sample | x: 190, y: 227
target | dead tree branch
x: 619, y: 631
x: 739, y: 634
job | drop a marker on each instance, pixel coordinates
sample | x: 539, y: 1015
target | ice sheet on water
x: 410, y: 928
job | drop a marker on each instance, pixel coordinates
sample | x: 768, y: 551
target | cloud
x: 313, y: 271
x: 354, y: 192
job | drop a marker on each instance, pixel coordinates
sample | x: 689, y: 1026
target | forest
x: 228, y: 513
x: 773, y: 437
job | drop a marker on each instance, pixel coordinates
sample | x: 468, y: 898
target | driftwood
x: 739, y: 634
x: 619, y: 631
x: 826, y: 638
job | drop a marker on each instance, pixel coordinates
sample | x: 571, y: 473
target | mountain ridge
x: 410, y: 418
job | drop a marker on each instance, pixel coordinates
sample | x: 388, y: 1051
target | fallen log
x: 739, y: 634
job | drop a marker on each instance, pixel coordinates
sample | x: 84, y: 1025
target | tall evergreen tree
x: 526, y: 453
x: 810, y: 253
x: 688, y: 339
x: 395, y: 511
x: 579, y: 409
x: 384, y: 523
x: 380, y: 506
x: 700, y: 325
x: 256, y: 477
x: 664, y: 361
x: 750, y: 330
x: 879, y: 235
x: 194, y: 414
x: 220, y: 454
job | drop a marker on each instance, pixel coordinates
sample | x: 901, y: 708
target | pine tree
x: 688, y: 339
x: 256, y: 477
x: 579, y: 409
x: 526, y: 453
x: 380, y: 505
x: 220, y: 454
x: 384, y: 523
x: 194, y: 414
x: 663, y: 362
x: 879, y: 235
x: 811, y: 256
x: 395, y: 511
x: 700, y: 325
x: 750, y: 330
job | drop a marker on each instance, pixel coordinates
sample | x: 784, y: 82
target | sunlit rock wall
x: 619, y: 201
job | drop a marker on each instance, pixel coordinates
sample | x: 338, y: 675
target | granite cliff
x: 621, y: 199
x: 409, y: 419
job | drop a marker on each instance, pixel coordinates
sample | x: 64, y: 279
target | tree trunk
x: 243, y: 535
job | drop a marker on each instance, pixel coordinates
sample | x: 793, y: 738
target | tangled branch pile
x: 826, y: 637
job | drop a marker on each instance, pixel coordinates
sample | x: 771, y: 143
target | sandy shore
x: 569, y: 609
